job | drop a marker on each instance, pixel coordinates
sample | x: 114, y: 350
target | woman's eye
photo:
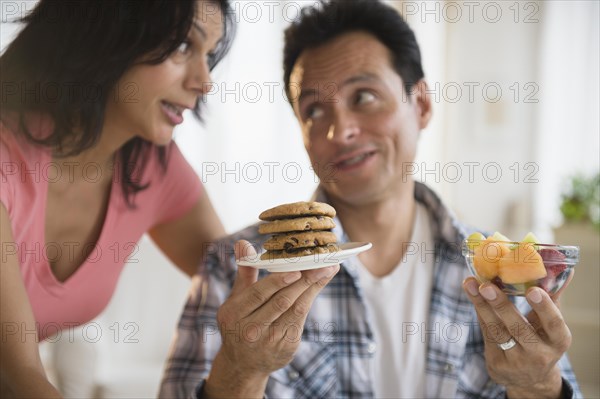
x: 212, y: 60
x: 365, y: 97
x: 184, y: 47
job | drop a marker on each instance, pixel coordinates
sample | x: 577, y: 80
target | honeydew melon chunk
x: 476, y: 236
x: 521, y: 287
x: 531, y: 238
x: 474, y: 240
x: 499, y: 237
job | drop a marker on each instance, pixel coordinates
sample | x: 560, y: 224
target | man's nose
x: 345, y: 128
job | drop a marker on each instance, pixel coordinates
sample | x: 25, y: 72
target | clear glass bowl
x: 515, y: 267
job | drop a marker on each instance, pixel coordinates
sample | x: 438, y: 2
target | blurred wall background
x: 516, y: 99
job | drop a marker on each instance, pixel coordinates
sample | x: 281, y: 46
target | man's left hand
x: 527, y: 369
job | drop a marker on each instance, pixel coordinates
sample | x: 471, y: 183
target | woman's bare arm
x: 21, y: 370
x: 187, y: 239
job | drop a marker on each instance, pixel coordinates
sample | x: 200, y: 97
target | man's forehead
x: 348, y: 56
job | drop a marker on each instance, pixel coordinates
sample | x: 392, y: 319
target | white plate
x: 308, y: 262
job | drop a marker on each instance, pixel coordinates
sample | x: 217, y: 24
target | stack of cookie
x: 298, y: 229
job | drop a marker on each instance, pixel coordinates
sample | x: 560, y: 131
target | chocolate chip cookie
x: 299, y: 229
x: 297, y: 224
x: 298, y: 209
x: 292, y: 241
x: 295, y: 253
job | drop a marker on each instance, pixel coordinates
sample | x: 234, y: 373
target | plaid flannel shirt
x: 334, y: 358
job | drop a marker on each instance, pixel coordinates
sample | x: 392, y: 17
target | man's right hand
x: 261, y: 326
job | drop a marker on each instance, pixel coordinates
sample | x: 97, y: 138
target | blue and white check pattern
x: 335, y: 356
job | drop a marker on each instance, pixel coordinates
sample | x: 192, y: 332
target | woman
x: 91, y: 93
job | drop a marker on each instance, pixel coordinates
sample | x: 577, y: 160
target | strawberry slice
x: 555, y: 266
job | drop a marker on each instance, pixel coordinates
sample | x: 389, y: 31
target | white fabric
x: 398, y: 305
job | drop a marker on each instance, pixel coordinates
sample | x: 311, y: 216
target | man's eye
x: 365, y: 97
x: 314, y: 112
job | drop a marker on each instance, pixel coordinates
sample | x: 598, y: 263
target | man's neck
x: 386, y: 223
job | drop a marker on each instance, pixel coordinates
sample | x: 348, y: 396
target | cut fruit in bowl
x: 516, y: 266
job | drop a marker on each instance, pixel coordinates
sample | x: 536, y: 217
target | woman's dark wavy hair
x: 327, y: 20
x: 79, y: 49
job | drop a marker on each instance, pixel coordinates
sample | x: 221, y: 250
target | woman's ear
x: 423, y: 102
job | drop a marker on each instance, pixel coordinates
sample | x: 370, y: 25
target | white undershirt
x: 398, y: 305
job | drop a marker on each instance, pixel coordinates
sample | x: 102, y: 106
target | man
x: 401, y: 320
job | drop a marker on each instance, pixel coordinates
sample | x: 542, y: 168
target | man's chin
x: 360, y: 192
x: 354, y: 193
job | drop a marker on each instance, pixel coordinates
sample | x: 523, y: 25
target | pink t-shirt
x: 25, y: 170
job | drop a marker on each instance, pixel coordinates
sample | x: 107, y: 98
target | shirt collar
x: 446, y: 228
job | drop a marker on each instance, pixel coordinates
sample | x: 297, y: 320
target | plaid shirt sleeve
x: 197, y: 339
x: 195, y: 343
x: 331, y: 361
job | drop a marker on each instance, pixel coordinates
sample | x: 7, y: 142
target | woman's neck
x: 98, y: 159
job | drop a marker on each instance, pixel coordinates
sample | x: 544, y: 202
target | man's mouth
x: 353, y: 160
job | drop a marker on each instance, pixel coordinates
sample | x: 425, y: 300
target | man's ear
x: 423, y: 102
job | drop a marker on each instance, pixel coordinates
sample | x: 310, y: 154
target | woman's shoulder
x: 8, y: 137
x: 15, y: 145
x: 25, y: 167
x: 175, y: 166
x: 171, y: 191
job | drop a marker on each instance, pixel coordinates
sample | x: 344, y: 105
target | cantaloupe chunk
x: 523, y: 264
x: 486, y: 256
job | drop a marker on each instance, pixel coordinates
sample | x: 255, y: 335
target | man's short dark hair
x: 321, y: 23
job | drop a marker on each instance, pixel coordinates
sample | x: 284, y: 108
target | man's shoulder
x: 450, y: 228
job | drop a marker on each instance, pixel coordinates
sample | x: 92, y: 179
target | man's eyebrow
x: 363, y: 77
x: 200, y: 29
x: 306, y: 93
